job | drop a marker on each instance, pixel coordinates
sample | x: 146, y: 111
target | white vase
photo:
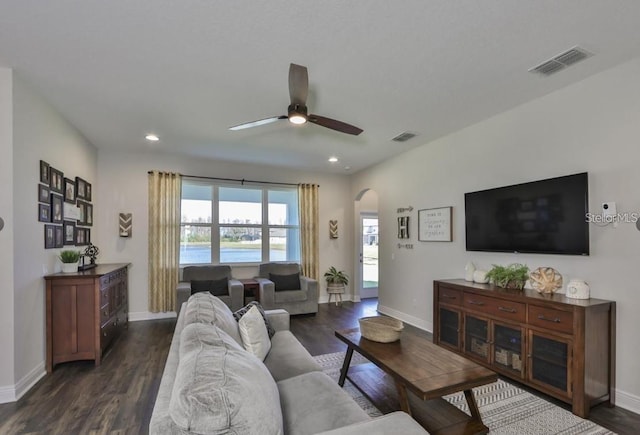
x: 480, y: 276
x: 468, y: 271
x: 69, y: 267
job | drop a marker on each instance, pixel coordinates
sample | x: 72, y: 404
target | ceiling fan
x: 297, y: 111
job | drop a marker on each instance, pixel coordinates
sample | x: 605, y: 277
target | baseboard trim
x: 138, y: 316
x: 411, y: 320
x: 7, y: 394
x: 628, y: 401
x: 13, y: 393
x: 325, y: 299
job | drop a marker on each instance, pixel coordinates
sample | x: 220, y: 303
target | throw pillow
x: 253, y: 331
x: 285, y: 282
x: 217, y: 287
x: 242, y: 311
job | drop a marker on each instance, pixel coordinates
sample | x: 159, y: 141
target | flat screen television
x: 544, y: 217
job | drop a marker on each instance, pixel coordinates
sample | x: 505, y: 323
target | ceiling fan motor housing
x: 297, y: 113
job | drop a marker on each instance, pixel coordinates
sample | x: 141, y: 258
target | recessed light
x: 333, y: 159
x: 347, y: 168
x: 152, y: 138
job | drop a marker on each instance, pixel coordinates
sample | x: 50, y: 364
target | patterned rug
x: 505, y: 408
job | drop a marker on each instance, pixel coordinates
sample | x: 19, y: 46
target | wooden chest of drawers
x: 85, y: 312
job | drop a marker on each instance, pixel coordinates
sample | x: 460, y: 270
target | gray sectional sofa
x: 211, y: 385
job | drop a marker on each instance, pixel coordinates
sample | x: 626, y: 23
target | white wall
x: 39, y: 133
x: 6, y: 235
x: 124, y: 188
x: 590, y: 126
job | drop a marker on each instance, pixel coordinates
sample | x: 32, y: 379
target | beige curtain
x: 164, y: 239
x: 308, y: 203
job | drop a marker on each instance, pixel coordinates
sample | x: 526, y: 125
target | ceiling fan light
x: 297, y: 118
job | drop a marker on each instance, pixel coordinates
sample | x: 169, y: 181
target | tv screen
x: 546, y: 217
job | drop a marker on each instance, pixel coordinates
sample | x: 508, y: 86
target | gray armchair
x: 235, y: 297
x: 296, y: 299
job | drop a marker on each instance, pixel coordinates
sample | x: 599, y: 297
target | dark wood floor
x: 118, y: 397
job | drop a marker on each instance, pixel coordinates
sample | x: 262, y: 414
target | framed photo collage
x: 64, y: 205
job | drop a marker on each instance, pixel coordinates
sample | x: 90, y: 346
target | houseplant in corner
x: 336, y: 281
x: 69, y: 261
x: 513, y: 276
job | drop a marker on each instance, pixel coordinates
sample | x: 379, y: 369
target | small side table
x: 251, y: 289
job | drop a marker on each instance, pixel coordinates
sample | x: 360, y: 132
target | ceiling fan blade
x: 298, y: 84
x: 340, y: 126
x: 257, y: 123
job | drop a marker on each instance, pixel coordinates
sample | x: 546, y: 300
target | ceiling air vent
x: 403, y: 137
x: 561, y: 61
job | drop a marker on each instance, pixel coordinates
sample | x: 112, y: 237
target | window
x: 238, y: 224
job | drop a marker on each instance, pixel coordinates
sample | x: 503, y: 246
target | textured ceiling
x: 187, y: 70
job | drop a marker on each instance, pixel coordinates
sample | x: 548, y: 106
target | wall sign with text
x: 434, y: 225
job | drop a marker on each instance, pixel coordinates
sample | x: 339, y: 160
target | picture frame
x: 45, y: 174
x: 81, y: 188
x: 44, y: 213
x: 83, y: 236
x: 57, y: 214
x: 56, y: 183
x: 49, y: 236
x: 403, y: 227
x: 79, y: 236
x: 58, y: 236
x: 44, y: 194
x: 69, y: 190
x: 434, y: 225
x: 69, y: 230
x: 82, y: 212
x: 88, y: 215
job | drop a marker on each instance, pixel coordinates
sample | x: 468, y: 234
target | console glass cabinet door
x: 550, y: 362
x: 450, y: 327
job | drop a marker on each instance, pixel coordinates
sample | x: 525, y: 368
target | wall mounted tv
x: 543, y: 217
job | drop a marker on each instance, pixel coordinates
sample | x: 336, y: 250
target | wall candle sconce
x: 125, y: 224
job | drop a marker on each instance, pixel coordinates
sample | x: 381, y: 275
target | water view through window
x: 233, y: 231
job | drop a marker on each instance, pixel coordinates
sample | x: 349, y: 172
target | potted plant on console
x: 69, y: 261
x: 513, y: 276
x: 336, y: 282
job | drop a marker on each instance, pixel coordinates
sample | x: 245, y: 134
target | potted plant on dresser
x: 336, y: 282
x: 69, y: 261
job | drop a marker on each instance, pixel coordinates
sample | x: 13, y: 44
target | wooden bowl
x: 381, y: 328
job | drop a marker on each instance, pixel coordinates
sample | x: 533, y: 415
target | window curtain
x: 309, y: 250
x: 164, y: 239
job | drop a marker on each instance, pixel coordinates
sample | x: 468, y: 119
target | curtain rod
x: 238, y: 180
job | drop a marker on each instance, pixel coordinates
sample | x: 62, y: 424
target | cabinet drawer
x: 448, y: 295
x: 104, y: 297
x: 104, y: 314
x: 496, y: 307
x: 549, y: 318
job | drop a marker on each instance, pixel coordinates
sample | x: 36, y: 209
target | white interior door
x: 369, y: 255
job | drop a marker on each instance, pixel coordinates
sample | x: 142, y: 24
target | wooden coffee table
x: 415, y: 365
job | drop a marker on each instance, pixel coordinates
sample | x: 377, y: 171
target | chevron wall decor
x: 333, y: 229
x: 125, y: 224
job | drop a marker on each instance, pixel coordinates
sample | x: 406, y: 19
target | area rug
x: 505, y: 408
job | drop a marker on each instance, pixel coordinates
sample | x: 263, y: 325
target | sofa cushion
x: 242, y: 311
x: 313, y: 403
x: 221, y: 389
x: 285, y: 282
x: 288, y: 358
x: 217, y: 287
x: 253, y: 331
x: 290, y: 296
x: 203, y: 307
